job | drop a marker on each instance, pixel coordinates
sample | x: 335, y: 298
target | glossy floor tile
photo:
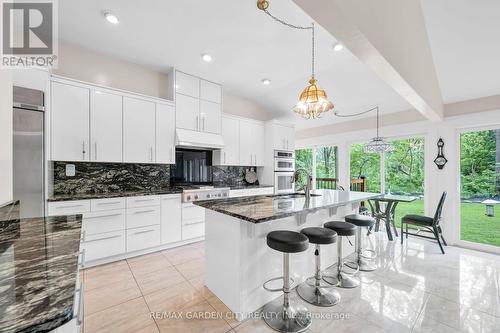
x: 415, y: 289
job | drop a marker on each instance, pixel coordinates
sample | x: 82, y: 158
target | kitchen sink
x: 292, y: 195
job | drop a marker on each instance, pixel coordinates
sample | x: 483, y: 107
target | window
x: 326, y: 167
x: 365, y: 165
x: 303, y: 159
x: 480, y: 181
x: 404, y: 174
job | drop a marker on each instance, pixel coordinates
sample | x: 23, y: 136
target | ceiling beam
x: 390, y: 37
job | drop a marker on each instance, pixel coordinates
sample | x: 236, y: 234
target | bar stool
x: 343, y: 279
x: 279, y: 314
x: 362, y: 221
x: 314, y: 292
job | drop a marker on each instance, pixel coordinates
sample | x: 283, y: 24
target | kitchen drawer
x: 107, y: 204
x: 142, y: 216
x: 143, y: 238
x: 104, y: 245
x: 105, y: 221
x: 193, y: 230
x: 250, y: 192
x: 143, y: 201
x: 192, y: 213
x: 68, y: 207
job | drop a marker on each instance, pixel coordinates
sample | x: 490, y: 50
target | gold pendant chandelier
x: 313, y: 101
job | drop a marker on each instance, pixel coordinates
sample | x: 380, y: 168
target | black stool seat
x: 287, y: 241
x: 318, y: 235
x: 360, y: 220
x: 341, y: 228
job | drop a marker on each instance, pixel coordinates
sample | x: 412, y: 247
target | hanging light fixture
x: 378, y: 144
x: 313, y: 101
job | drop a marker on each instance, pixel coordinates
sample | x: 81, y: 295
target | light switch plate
x: 70, y: 170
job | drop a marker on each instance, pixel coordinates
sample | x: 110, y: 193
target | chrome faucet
x: 308, y: 187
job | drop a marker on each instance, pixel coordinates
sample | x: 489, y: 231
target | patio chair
x: 426, y: 224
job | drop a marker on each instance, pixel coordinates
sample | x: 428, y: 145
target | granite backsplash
x: 109, y: 177
x: 230, y: 175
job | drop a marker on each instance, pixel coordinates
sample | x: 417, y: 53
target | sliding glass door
x: 480, y: 187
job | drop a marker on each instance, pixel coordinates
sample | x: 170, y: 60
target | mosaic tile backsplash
x: 109, y: 177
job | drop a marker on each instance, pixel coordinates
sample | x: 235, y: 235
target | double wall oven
x: 284, y: 167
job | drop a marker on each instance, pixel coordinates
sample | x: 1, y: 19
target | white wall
x: 5, y: 136
x: 436, y: 181
x: 243, y: 107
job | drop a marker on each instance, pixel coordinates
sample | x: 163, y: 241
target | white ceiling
x: 465, y: 43
x: 246, y: 46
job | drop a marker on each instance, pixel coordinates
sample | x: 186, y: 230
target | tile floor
x: 415, y: 289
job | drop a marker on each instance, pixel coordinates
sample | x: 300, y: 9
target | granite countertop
x: 86, y: 196
x: 38, y: 272
x: 262, y: 208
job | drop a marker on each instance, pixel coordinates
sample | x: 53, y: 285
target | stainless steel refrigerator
x: 28, y: 146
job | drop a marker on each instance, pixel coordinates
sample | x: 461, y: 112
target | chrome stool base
x: 363, y: 265
x: 318, y: 295
x: 286, y: 319
x: 343, y: 280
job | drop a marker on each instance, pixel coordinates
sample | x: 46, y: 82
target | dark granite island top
x: 262, y: 208
x: 38, y: 272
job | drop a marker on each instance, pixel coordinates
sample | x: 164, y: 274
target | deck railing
x: 357, y: 184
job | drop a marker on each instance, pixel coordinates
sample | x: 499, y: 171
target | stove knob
x: 189, y: 197
x: 225, y: 194
x: 196, y: 197
x: 208, y: 195
x: 219, y: 195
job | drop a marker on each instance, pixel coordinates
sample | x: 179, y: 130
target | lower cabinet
x: 143, y: 238
x: 171, y: 218
x: 104, y: 245
x: 104, y: 221
x: 143, y: 216
x: 193, y: 221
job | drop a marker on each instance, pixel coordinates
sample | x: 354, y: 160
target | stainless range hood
x: 198, y: 140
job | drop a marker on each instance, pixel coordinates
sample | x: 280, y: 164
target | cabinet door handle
x: 104, y: 238
x: 143, y: 200
x: 255, y: 159
x: 144, y: 211
x: 108, y: 215
x: 95, y: 150
x: 191, y: 223
x: 79, y: 316
x: 172, y: 154
x: 82, y: 261
x: 143, y: 232
x: 224, y: 157
x: 72, y: 206
x: 203, y: 123
x: 197, y: 123
x: 109, y: 203
x: 151, y: 154
x: 83, y: 149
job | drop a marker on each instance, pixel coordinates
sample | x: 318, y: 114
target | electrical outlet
x: 70, y: 170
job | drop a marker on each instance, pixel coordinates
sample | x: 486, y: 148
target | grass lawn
x: 476, y: 226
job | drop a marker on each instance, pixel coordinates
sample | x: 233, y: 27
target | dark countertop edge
x: 246, y: 187
x: 279, y: 215
x: 71, y: 197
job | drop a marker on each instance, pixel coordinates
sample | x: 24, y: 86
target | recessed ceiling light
x: 111, y: 18
x: 338, y: 47
x: 266, y: 82
x: 206, y: 57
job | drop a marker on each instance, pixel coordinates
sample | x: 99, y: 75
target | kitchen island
x: 238, y: 260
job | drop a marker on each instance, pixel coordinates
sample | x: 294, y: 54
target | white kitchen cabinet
x: 105, y: 127
x: 251, y: 143
x: 210, y: 91
x: 139, y: 126
x: 187, y: 112
x: 210, y: 117
x: 97, y: 205
x: 69, y: 122
x: 142, y: 217
x: 281, y: 136
x: 165, y: 134
x: 104, y: 245
x: 56, y: 208
x: 143, y: 201
x: 104, y: 221
x: 230, y: 154
x: 187, y: 84
x: 171, y: 218
x: 143, y: 238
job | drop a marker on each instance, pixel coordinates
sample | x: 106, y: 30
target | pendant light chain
x: 312, y: 65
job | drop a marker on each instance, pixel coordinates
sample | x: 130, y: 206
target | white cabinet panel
x: 104, y: 245
x: 142, y: 216
x: 171, y: 218
x: 193, y: 230
x: 107, y: 204
x: 187, y: 112
x: 251, y: 143
x: 70, y: 123
x: 139, y: 126
x: 143, y: 201
x: 103, y: 221
x: 68, y: 207
x: 143, y: 238
x: 165, y: 134
x: 192, y: 214
x: 187, y: 84
x: 210, y: 91
x: 283, y: 137
x: 210, y: 117
x: 106, y: 127
x: 258, y: 144
x: 230, y: 155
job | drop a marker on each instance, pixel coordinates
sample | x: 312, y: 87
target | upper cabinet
x: 165, y: 133
x: 251, y: 143
x: 198, y: 104
x: 139, y: 130
x: 230, y: 154
x: 106, y: 126
x: 69, y: 122
x: 282, y: 136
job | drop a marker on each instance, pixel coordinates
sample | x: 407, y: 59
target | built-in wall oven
x: 284, y: 167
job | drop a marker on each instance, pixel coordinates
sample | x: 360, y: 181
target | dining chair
x: 429, y: 224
